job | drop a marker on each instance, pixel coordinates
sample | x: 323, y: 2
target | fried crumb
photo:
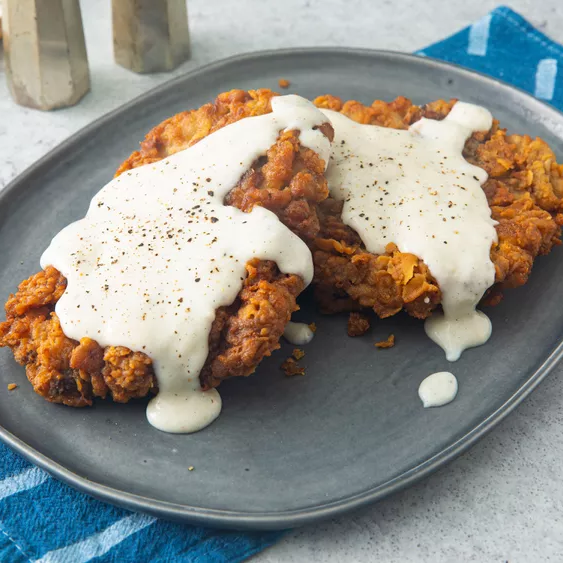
x: 283, y: 83
x: 358, y: 324
x: 313, y: 327
x: 12, y: 386
x: 389, y: 343
x: 298, y: 353
x: 290, y: 368
x: 191, y: 468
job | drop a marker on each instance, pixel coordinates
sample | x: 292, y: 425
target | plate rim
x: 272, y: 520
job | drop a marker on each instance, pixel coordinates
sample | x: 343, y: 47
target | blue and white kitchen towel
x: 504, y: 45
x: 42, y: 519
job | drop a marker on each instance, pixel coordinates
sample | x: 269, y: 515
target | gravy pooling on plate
x: 414, y: 188
x: 438, y: 389
x: 158, y: 253
x: 298, y: 333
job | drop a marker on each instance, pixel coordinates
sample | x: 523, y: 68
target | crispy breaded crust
x: 524, y: 191
x: 289, y: 181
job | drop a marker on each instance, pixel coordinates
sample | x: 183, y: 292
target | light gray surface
x: 503, y: 500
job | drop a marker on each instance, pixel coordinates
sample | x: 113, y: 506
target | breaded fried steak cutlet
x: 186, y: 269
x: 523, y: 187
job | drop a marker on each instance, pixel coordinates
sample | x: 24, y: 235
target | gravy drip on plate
x: 438, y: 389
x: 298, y: 333
x: 414, y: 188
x: 158, y: 252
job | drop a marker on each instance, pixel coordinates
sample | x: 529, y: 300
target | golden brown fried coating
x: 288, y: 180
x: 524, y: 192
x: 250, y: 329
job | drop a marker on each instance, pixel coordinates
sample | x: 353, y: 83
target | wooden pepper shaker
x: 44, y: 52
x: 150, y: 35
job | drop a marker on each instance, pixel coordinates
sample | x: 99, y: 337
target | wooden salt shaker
x: 150, y: 35
x: 44, y: 52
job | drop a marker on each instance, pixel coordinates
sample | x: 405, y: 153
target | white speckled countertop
x: 502, y: 501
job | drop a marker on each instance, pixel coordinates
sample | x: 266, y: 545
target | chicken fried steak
x: 287, y: 180
x: 524, y: 191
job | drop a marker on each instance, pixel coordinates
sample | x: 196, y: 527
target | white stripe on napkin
x: 100, y: 543
x: 546, y: 74
x: 479, y: 37
x: 23, y: 481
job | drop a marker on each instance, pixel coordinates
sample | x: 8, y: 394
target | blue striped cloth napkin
x: 504, y: 45
x: 42, y: 519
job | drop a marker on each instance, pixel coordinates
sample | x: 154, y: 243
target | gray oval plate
x: 285, y: 451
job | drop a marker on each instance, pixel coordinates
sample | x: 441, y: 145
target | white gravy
x: 438, y: 389
x: 298, y: 333
x: 415, y: 189
x: 158, y: 252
